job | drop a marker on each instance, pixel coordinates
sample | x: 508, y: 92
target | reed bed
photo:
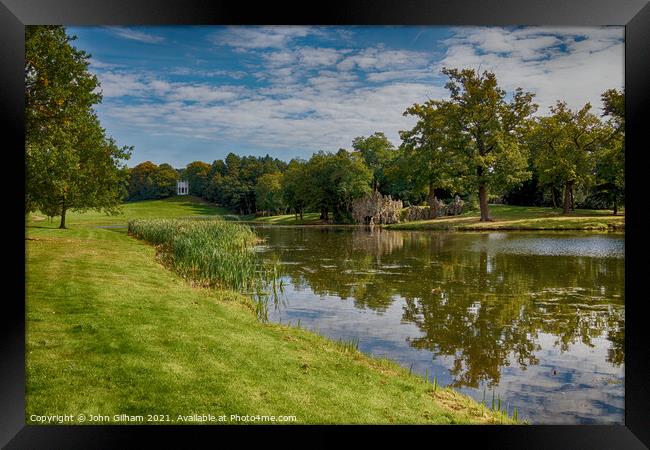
x: 211, y: 252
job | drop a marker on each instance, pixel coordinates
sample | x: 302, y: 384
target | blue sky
x: 181, y: 94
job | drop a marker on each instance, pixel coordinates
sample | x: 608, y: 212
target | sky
x: 197, y: 93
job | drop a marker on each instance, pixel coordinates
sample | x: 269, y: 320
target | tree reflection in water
x: 480, y: 299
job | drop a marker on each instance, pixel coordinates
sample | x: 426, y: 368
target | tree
x: 429, y: 158
x: 249, y: 171
x: 377, y: 153
x: 196, y: 173
x: 334, y: 181
x: 164, y: 180
x: 610, y: 165
x: 268, y: 192
x: 487, y: 132
x: 70, y: 163
x: 141, y: 184
x: 565, y: 143
x: 295, y: 186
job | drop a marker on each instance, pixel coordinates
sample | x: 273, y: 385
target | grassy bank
x: 506, y: 217
x: 178, y: 206
x: 110, y: 330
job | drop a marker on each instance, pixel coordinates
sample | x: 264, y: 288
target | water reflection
x: 537, y: 317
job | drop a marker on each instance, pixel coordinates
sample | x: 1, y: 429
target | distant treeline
x: 476, y: 144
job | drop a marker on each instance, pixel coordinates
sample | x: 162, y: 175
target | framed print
x: 355, y: 214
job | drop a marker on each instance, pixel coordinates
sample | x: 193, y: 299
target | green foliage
x: 196, y: 173
x: 614, y: 107
x: 294, y: 187
x: 334, y: 180
x: 58, y: 86
x: 565, y: 148
x: 70, y: 163
x: 164, y: 181
x: 268, y: 192
x: 429, y: 159
x: 610, y: 159
x: 149, y: 181
x: 141, y: 183
x: 563, y: 144
x: 378, y: 154
x: 232, y: 183
x: 486, y: 131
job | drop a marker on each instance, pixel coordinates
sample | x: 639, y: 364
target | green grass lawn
x: 506, y: 217
x: 177, y: 206
x: 111, y: 331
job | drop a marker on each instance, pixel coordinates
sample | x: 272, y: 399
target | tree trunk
x: 568, y: 188
x: 431, y: 201
x: 573, y: 203
x: 553, y: 197
x: 63, y: 210
x: 301, y: 214
x: 483, y: 201
x: 432, y: 194
x: 615, y: 207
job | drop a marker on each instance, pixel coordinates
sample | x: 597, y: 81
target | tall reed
x: 212, y: 252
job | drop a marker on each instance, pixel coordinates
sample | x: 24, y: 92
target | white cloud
x: 406, y: 74
x: 279, y: 58
x: 243, y: 38
x: 160, y: 87
x: 378, y: 58
x: 572, y: 64
x: 313, y: 57
x: 331, y: 81
x: 144, y: 85
x: 99, y: 65
x: 135, y: 35
x: 116, y: 84
x: 235, y: 74
x: 327, y: 116
x: 313, y: 98
x: 203, y: 93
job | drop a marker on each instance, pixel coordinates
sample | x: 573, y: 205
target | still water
x: 537, y: 319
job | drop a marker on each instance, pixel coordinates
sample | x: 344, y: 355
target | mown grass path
x: 111, y: 331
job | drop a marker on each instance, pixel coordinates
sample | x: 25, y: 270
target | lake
x: 535, y: 319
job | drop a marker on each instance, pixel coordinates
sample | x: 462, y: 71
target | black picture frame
x: 633, y: 14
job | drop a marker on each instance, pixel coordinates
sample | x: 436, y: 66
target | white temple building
x: 182, y: 187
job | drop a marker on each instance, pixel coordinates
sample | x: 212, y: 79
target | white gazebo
x: 182, y: 187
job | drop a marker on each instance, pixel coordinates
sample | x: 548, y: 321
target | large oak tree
x: 70, y: 163
x: 486, y: 131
